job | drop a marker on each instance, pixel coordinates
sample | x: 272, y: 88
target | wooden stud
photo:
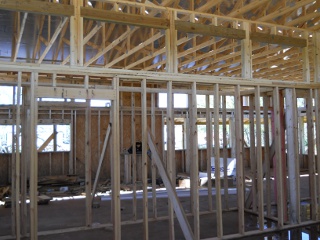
x: 317, y: 136
x: 170, y: 153
x: 115, y: 164
x: 33, y: 158
x: 75, y: 143
x: 316, y: 60
x: 316, y: 56
x: 188, y: 138
x: 88, y: 166
x: 134, y: 156
x: 18, y: 162
x: 246, y: 54
x: 258, y: 155
x: 217, y: 160
x: 278, y: 156
x: 311, y: 157
x: 239, y: 158
x: 305, y: 61
x: 144, y: 139
x: 293, y: 155
x: 153, y: 166
x: 232, y: 132
x: 225, y: 151
x: 194, y: 171
x: 209, y: 150
x: 13, y: 171
x: 266, y: 103
x: 253, y: 158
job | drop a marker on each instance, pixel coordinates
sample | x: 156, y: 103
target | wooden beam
x: 182, y: 219
x: 104, y: 147
x: 284, y: 10
x: 135, y: 49
x: 46, y: 142
x: 53, y: 39
x: 111, y: 45
x: 18, y: 42
x: 247, y: 7
x: 246, y: 53
x: 277, y: 39
x: 171, y: 46
x: 208, y: 5
x: 38, y: 7
x: 76, y: 35
x: 124, y: 18
x: 59, y: 92
x: 209, y: 30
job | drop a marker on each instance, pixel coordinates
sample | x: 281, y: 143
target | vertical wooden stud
x: 170, y: 153
x: 239, y: 157
x: 225, y: 151
x: 209, y: 149
x: 115, y: 163
x: 253, y: 159
x: 258, y: 154
x: 76, y: 36
x: 217, y: 160
x: 33, y: 158
x: 311, y: 156
x: 134, y: 156
x: 87, y: 155
x: 18, y: 162
x: 194, y: 171
x: 293, y: 155
x: 266, y: 103
x: 144, y: 124
x: 278, y: 156
x: 153, y: 166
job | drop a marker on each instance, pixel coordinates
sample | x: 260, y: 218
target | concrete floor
x: 62, y: 214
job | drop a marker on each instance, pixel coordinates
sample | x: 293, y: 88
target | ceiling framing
x: 131, y: 35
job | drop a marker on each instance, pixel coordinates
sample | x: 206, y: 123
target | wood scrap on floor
x: 4, y: 191
x: 59, y: 180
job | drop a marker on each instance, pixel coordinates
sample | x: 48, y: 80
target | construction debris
x: 4, y: 191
